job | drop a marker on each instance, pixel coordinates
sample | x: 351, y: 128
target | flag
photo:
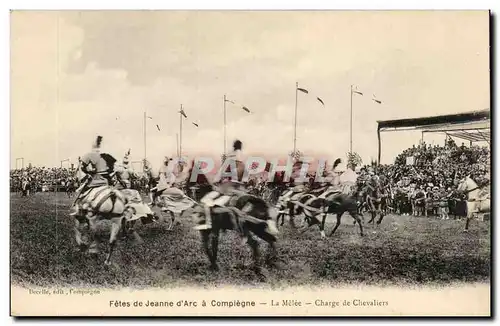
x: 303, y: 90
x: 195, y: 124
x: 242, y: 107
x: 183, y: 113
x: 378, y: 101
x: 357, y: 92
x: 320, y: 100
x: 158, y: 127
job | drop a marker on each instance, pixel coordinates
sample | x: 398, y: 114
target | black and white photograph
x: 250, y: 163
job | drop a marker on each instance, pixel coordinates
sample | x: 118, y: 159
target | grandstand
x: 470, y: 126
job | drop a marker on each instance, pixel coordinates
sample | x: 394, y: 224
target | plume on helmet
x: 336, y: 163
x: 97, y: 143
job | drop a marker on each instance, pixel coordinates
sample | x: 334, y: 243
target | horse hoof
x: 107, y: 263
x: 465, y: 231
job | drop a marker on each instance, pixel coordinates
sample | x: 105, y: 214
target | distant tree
x: 353, y: 160
x: 296, y: 156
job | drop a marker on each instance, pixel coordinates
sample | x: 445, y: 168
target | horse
x: 173, y: 201
x: 476, y: 202
x: 337, y: 203
x: 100, y: 203
x: 292, y: 207
x: 135, y: 209
x: 258, y: 222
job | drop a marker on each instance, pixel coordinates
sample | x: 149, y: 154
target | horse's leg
x: 124, y: 228
x: 94, y: 244
x: 322, y: 225
x: 339, y: 217
x: 357, y: 218
x: 78, y: 236
x: 272, y: 255
x: 172, y: 220
x: 468, y: 216
x: 137, y: 240
x: 282, y: 217
x: 215, y: 249
x: 205, y: 235
x: 255, y: 250
x: 115, y: 229
x: 291, y: 215
x: 382, y: 214
x: 371, y: 206
x: 373, y: 214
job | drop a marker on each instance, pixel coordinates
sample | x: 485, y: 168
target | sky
x: 76, y: 75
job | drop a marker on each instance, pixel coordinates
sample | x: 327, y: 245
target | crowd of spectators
x: 425, y: 177
x: 42, y: 178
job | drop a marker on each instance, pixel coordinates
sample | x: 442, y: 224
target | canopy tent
x: 472, y: 126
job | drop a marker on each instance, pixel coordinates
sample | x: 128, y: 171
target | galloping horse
x: 223, y: 218
x: 476, y: 201
x: 337, y: 203
x: 293, y: 207
x: 100, y: 203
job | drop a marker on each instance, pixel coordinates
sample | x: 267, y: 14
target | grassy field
x: 403, y: 250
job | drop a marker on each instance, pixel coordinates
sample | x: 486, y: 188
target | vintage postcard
x: 250, y: 163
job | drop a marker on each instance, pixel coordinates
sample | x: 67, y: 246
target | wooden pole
x: 145, y: 134
x: 379, y: 145
x: 180, y: 133
x: 225, y: 134
x: 350, y: 128
x: 295, y: 119
x: 177, y: 143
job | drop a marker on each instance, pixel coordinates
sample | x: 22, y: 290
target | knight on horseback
x: 98, y: 172
x: 166, y: 179
x: 332, y: 182
x: 124, y: 173
x: 221, y: 195
x: 297, y: 187
x: 224, y: 196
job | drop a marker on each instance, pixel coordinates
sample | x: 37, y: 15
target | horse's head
x: 466, y: 184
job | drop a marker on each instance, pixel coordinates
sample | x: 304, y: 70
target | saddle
x: 93, y: 198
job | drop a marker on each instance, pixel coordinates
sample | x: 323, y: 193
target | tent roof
x: 472, y: 126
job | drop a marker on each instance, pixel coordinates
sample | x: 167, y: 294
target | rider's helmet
x: 237, y: 145
x: 97, y: 143
x: 126, y: 158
